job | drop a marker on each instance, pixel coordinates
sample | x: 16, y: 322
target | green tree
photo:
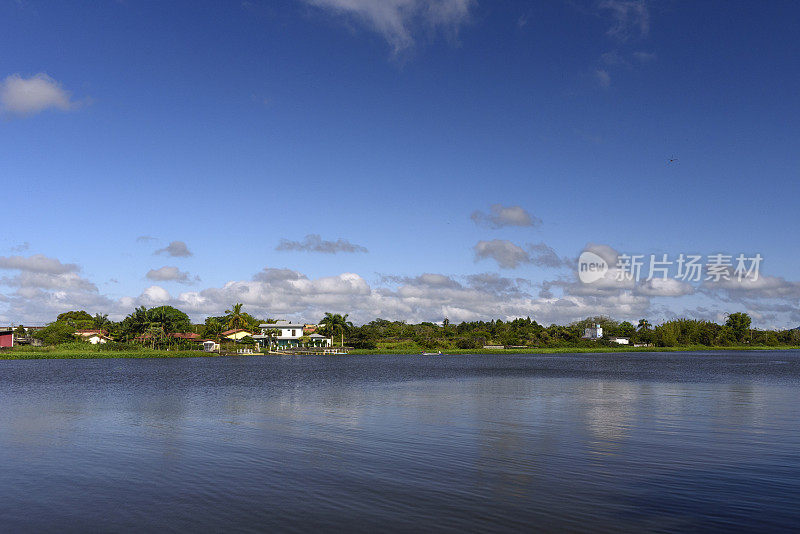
x: 644, y: 324
x: 236, y: 318
x: 169, y: 319
x: 56, y: 333
x: 74, y: 316
x: 626, y: 329
x: 212, y: 328
x: 101, y: 321
x: 739, y: 323
x: 334, y: 323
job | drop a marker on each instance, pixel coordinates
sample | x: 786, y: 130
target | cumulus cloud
x: 315, y: 243
x: 510, y: 256
x: 62, y: 281
x: 45, y: 287
x: 769, y: 287
x: 500, y: 216
x: 171, y: 274
x: 177, y: 249
x: 26, y: 96
x: 664, y: 287
x: 38, y: 263
x: 505, y: 253
x: 398, y: 21
x: 630, y: 18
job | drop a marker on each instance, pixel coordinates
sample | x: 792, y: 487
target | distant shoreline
x: 106, y: 354
x: 577, y: 350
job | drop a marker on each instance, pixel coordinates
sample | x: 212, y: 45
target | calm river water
x: 633, y: 442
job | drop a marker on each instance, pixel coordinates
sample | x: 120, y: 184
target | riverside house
x: 235, y: 334
x: 285, y: 334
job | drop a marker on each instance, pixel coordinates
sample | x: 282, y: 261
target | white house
x: 620, y: 340
x: 593, y: 332
x: 93, y: 336
x: 283, y: 334
x: 209, y: 345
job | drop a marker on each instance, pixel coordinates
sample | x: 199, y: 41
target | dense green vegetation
x: 162, y: 331
x: 527, y: 333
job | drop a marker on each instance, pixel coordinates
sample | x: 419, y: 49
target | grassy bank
x: 578, y: 350
x: 83, y: 350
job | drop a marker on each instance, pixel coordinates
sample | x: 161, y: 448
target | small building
x: 317, y: 340
x: 93, y: 336
x: 620, y: 340
x: 209, y: 345
x: 593, y: 332
x: 235, y: 334
x: 6, y: 338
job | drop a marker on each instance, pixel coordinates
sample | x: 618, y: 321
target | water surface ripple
x: 589, y: 442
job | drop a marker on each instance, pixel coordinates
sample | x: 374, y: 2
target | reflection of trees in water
x: 42, y: 420
x: 511, y: 439
x: 609, y: 409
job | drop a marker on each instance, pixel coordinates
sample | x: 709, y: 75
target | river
x: 584, y: 442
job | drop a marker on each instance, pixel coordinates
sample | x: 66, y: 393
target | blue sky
x: 381, y: 128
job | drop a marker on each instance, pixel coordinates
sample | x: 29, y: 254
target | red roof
x: 185, y: 335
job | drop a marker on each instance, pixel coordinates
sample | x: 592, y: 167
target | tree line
x: 154, y: 326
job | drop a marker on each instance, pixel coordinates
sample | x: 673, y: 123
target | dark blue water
x: 614, y: 442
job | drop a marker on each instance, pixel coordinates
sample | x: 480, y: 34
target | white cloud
x: 26, y: 96
x: 501, y: 216
x: 770, y: 287
x: 154, y: 296
x: 283, y: 293
x: 38, y: 263
x: 171, y: 274
x: 664, y: 287
x: 177, y: 249
x: 44, y: 287
x: 398, y: 21
x: 315, y: 243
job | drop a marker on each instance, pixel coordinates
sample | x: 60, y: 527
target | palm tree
x: 236, y: 318
x: 336, y: 323
x: 644, y: 324
x: 272, y: 334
